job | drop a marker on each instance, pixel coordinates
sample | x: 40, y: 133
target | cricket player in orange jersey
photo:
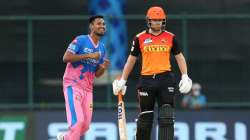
x: 157, y: 82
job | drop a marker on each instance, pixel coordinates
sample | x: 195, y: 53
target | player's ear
x: 91, y: 26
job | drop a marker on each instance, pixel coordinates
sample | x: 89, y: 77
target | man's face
x: 98, y: 27
x: 156, y: 24
x: 195, y: 92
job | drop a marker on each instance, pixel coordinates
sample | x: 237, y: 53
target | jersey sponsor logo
x: 90, y: 61
x: 143, y: 93
x: 88, y: 50
x: 132, y: 48
x: 170, y: 89
x: 156, y: 48
x: 147, y: 41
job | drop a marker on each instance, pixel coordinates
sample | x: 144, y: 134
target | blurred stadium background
x: 214, y: 36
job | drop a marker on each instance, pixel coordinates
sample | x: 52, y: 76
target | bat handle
x: 119, y: 96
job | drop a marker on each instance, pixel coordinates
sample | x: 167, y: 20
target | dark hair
x: 92, y: 18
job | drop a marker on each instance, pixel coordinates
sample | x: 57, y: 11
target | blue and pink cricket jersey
x: 78, y: 82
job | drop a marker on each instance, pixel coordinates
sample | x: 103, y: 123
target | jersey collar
x: 147, y: 31
x: 96, y: 46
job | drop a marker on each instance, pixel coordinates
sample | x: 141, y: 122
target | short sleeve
x: 176, y: 48
x: 135, y: 47
x: 74, y: 46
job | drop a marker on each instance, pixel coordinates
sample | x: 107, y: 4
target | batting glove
x: 119, y: 85
x: 185, y: 84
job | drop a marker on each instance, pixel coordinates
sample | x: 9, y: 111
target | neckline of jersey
x: 96, y: 46
x: 147, y: 31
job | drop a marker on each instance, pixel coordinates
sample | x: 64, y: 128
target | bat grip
x: 119, y: 96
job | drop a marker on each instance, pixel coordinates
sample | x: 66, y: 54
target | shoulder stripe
x: 168, y: 32
x: 141, y: 33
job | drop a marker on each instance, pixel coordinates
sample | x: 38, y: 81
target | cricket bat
x: 121, y: 118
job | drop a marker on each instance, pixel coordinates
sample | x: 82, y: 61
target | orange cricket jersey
x: 155, y: 51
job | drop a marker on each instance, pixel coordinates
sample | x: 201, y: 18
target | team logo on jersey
x: 72, y: 47
x: 164, y: 40
x: 147, y: 41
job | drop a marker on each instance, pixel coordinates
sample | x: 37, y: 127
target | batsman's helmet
x: 156, y: 13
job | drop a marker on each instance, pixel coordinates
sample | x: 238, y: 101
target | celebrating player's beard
x: 99, y: 32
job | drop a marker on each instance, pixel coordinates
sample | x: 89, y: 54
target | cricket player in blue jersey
x: 85, y: 58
